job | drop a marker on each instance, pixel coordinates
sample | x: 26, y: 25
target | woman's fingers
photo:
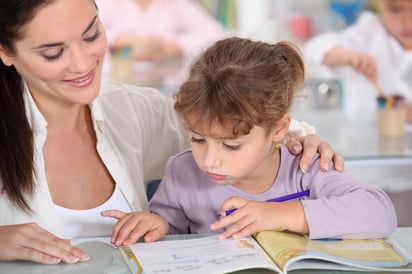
x: 31, y: 242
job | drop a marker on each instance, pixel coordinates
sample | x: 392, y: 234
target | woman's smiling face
x: 61, y: 53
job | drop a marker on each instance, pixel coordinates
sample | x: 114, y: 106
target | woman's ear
x: 280, y: 129
x: 5, y: 58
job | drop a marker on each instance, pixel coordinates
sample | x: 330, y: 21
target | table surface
x: 107, y: 259
x: 355, y: 135
x: 385, y: 162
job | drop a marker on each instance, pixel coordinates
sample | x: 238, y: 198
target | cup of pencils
x: 391, y: 116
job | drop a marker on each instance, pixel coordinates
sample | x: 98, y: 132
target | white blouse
x: 89, y: 222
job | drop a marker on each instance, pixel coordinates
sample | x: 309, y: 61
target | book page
x: 367, y: 254
x: 200, y: 255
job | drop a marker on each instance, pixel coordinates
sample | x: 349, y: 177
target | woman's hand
x: 252, y: 216
x: 32, y: 243
x: 311, y: 144
x: 132, y: 226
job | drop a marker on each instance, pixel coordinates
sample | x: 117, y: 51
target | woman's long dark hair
x: 16, y: 137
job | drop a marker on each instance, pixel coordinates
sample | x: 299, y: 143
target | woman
x: 72, y: 148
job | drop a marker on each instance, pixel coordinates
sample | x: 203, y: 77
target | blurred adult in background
x: 373, y: 54
x: 158, y: 29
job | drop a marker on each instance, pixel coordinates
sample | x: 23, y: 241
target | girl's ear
x: 5, y: 58
x: 279, y: 131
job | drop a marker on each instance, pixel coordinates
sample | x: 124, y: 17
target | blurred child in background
x: 373, y: 55
x: 235, y: 104
x: 158, y: 29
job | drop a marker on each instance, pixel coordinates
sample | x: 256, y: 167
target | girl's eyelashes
x: 197, y: 140
x: 230, y: 147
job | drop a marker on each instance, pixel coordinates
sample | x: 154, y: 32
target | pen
x: 278, y: 199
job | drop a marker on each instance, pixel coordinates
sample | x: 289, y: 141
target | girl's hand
x: 365, y: 64
x: 131, y: 226
x: 32, y: 243
x: 359, y: 61
x: 251, y: 217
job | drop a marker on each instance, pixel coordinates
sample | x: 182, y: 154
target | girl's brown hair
x: 240, y: 83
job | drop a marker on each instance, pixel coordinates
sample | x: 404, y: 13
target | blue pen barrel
x: 391, y: 116
x: 285, y: 198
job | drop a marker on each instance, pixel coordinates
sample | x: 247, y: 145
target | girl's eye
x: 197, y: 140
x: 395, y: 9
x: 51, y: 58
x: 229, y: 147
x: 93, y: 38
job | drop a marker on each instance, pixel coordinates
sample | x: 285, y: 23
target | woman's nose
x: 80, y: 60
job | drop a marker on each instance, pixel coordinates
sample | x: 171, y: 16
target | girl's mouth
x: 216, y: 177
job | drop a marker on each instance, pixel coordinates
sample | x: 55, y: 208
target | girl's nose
x: 212, y: 158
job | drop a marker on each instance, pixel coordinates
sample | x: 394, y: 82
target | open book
x: 276, y: 251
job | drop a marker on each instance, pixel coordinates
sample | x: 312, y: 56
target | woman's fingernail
x: 84, y: 257
x: 297, y: 148
x: 72, y: 259
x: 325, y: 166
x: 55, y: 260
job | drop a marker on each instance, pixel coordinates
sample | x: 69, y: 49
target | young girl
x: 235, y: 105
x: 375, y: 51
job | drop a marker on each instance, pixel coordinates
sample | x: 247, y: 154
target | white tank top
x: 89, y: 223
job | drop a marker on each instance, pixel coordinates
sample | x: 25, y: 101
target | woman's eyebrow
x: 51, y: 45
x: 90, y: 25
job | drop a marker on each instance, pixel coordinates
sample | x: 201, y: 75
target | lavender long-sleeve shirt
x: 339, y: 204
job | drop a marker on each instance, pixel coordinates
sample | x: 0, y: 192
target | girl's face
x: 61, y: 54
x: 245, y: 162
x: 397, y: 18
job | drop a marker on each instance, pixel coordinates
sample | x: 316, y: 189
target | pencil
x: 277, y: 199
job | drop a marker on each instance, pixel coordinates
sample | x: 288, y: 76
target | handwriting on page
x: 202, y: 256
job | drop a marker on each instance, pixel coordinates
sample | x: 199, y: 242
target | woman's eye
x: 197, y: 140
x: 93, y: 38
x: 51, y: 58
x: 230, y: 147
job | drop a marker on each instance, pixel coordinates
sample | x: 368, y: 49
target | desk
x: 107, y: 259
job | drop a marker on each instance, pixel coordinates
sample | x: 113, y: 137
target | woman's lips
x: 216, y: 177
x: 83, y: 81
